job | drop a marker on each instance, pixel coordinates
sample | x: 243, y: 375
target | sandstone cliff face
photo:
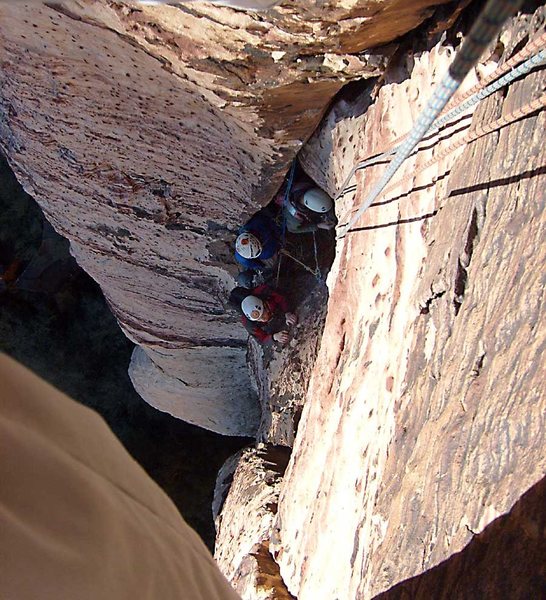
x: 148, y: 134
x: 282, y: 378
x: 424, y: 420
x: 253, y: 479
x: 425, y: 415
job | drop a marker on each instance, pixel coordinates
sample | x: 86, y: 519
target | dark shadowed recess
x: 506, y: 561
x: 54, y: 319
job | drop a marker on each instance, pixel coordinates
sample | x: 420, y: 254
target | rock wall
x: 282, y: 378
x: 148, y: 134
x: 253, y: 479
x: 425, y: 415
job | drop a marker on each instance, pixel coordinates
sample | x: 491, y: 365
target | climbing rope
x: 285, y: 200
x: 528, y: 50
x: 480, y: 131
x: 283, y: 212
x: 486, y: 27
x: 537, y: 60
x: 283, y: 252
x: 477, y: 92
x: 532, y: 47
x: 297, y: 261
x: 318, y: 274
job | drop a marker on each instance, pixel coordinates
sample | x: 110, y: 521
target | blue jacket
x: 269, y: 234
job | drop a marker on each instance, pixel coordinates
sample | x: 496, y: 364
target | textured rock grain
x: 282, y: 378
x: 425, y: 415
x: 147, y: 134
x: 244, y: 521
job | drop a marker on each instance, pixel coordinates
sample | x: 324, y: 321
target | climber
x: 307, y: 209
x: 265, y: 313
x: 258, y: 241
x: 251, y: 278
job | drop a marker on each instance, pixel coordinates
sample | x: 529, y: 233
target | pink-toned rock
x: 244, y: 518
x: 425, y: 415
x: 149, y: 134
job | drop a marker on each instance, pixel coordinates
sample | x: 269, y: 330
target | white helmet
x: 317, y: 200
x: 248, y: 245
x: 253, y: 308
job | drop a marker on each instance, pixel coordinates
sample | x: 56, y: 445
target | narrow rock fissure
x: 299, y: 274
x: 461, y: 277
x: 413, y: 426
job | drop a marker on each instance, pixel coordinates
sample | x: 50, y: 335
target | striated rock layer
x: 425, y: 416
x: 148, y: 134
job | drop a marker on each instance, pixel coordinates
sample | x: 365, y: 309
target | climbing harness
x: 486, y: 27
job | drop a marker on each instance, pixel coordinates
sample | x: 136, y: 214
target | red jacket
x: 278, y: 305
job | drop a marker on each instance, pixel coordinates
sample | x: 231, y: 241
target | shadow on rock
x: 54, y: 319
x: 505, y: 560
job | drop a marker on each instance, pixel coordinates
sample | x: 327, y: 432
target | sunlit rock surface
x: 425, y: 416
x: 196, y: 393
x: 244, y: 519
x: 148, y: 134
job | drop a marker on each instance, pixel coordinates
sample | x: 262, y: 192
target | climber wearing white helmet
x: 308, y: 208
x: 248, y: 245
x: 253, y: 308
x: 265, y: 314
x: 258, y: 241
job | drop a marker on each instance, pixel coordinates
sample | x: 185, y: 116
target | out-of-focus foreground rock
x: 424, y: 421
x: 148, y: 134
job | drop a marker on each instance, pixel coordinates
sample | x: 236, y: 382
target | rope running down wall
x: 489, y: 22
x: 526, y: 67
x: 517, y: 114
x: 475, y: 95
